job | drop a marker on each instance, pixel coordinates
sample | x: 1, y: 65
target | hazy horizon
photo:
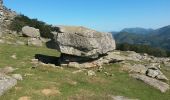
x: 102, y: 15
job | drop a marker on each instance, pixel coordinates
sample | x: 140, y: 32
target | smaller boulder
x: 152, y: 73
x: 30, y: 32
x: 35, y: 42
x: 155, y: 73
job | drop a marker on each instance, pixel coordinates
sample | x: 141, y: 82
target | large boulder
x: 30, y: 32
x: 83, y: 42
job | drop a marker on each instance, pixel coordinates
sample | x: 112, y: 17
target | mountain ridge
x: 157, y: 38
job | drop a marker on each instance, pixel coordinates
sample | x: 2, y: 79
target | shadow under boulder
x: 48, y: 59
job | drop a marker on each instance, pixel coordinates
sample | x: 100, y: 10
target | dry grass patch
x: 97, y: 80
x: 25, y: 98
x: 50, y: 92
x: 18, y: 88
x: 82, y: 95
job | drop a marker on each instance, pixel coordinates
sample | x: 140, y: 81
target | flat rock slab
x: 6, y: 83
x: 121, y: 98
x: 162, y: 86
x: 83, y: 42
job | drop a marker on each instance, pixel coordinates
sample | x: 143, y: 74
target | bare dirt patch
x: 49, y: 92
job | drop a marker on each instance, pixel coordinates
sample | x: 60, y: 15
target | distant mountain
x: 137, y: 30
x: 114, y: 32
x: 156, y: 38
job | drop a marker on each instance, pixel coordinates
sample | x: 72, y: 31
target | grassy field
x: 47, y: 83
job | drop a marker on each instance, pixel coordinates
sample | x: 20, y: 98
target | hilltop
x: 44, y: 62
x: 155, y: 38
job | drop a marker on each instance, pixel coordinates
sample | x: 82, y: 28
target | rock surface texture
x: 6, y: 83
x: 83, y: 42
x: 6, y: 17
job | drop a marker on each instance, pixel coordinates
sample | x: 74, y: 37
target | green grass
x: 71, y: 86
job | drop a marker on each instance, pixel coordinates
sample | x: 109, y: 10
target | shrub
x: 21, y: 21
x: 158, y: 52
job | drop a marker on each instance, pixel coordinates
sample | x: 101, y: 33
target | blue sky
x: 102, y: 15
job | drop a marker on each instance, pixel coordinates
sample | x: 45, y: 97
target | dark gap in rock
x: 48, y: 59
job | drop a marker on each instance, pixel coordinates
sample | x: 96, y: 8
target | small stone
x: 34, y: 61
x: 79, y: 71
x: 91, y: 73
x: 7, y: 70
x: 2, y: 41
x: 35, y: 42
x: 14, y: 56
x: 121, y: 98
x: 74, y: 65
x: 20, y: 43
x: 17, y: 76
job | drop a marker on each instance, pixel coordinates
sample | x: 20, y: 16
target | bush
x: 158, y: 52
x: 21, y: 21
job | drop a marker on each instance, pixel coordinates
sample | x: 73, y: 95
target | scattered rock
x: 7, y: 70
x: 34, y: 61
x: 30, y: 32
x: 17, y: 77
x: 35, y: 42
x: 74, y: 65
x: 121, y: 98
x: 71, y: 82
x: 152, y: 73
x: 20, y: 43
x: 108, y: 74
x: 162, y: 86
x: 2, y: 41
x: 136, y: 68
x: 6, y: 83
x: 91, y: 73
x: 14, y: 56
x: 155, y: 73
x: 79, y: 71
x: 49, y: 65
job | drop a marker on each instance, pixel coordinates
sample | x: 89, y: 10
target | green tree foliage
x: 158, y: 52
x: 21, y: 21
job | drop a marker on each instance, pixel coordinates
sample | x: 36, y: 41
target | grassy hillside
x: 47, y: 83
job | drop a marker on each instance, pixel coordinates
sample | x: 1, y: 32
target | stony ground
x: 48, y: 83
